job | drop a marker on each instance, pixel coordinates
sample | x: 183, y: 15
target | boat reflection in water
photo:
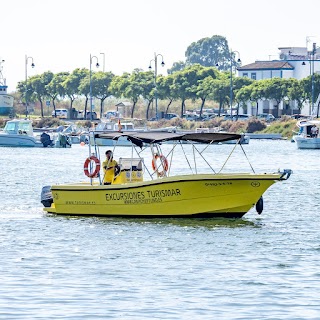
x: 141, y: 190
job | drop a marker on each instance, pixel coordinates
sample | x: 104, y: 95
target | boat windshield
x: 125, y: 126
x: 10, y: 127
x: 18, y: 127
x: 25, y: 127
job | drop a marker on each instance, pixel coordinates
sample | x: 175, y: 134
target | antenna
x: 308, y: 39
x: 2, y: 79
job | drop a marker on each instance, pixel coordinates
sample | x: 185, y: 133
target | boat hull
x: 219, y: 195
x: 18, y: 140
x: 24, y: 140
x: 121, y: 142
x: 5, y: 111
x: 307, y: 143
x: 6, y: 104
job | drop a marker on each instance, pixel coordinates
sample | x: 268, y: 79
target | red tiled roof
x: 267, y: 65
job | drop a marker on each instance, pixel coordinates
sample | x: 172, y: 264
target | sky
x: 60, y: 35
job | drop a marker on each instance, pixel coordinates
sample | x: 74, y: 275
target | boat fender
x: 164, y: 163
x: 259, y: 205
x: 89, y: 173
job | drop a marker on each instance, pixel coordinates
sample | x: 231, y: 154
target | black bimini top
x: 139, y: 138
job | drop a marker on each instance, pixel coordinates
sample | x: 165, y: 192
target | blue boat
x: 6, y: 100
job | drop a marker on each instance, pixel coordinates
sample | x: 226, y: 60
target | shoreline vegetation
x: 284, y: 125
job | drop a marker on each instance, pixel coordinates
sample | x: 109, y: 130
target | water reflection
x: 209, y: 223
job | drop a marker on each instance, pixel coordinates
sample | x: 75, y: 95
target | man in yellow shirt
x: 109, y: 166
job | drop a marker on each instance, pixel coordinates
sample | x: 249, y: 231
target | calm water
x: 258, y: 267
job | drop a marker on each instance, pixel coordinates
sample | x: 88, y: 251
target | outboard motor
x: 64, y: 140
x: 46, y: 196
x: 45, y: 140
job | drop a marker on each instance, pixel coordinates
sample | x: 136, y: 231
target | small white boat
x: 243, y: 140
x: 75, y: 134
x: 114, y: 126
x: 305, y: 139
x: 19, y: 133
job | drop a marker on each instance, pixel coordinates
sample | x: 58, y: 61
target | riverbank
x: 279, y: 129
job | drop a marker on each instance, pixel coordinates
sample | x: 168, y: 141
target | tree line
x: 205, y: 75
x: 194, y: 82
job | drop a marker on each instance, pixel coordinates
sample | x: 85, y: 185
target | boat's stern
x: 46, y: 196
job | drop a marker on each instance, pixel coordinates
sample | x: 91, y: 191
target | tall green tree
x: 244, y: 95
x: 307, y: 87
x: 27, y: 93
x: 210, y: 52
x: 119, y: 86
x: 165, y: 89
x: 84, y: 89
x: 148, y: 89
x: 276, y: 89
x: 205, y: 83
x: 26, y: 89
x: 134, y: 88
x: 101, y: 87
x: 72, y: 84
x: 296, y: 92
x: 238, y: 84
x: 39, y: 84
x: 55, y: 87
x: 185, y: 83
x: 181, y: 87
x: 177, y: 66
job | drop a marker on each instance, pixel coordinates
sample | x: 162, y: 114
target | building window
x: 245, y: 74
x: 254, y: 76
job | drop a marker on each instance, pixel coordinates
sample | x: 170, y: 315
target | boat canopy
x: 139, y: 138
x: 305, y: 123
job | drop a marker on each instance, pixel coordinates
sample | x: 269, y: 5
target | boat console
x: 131, y: 170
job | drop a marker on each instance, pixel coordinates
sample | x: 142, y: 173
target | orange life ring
x: 164, y: 163
x: 96, y: 171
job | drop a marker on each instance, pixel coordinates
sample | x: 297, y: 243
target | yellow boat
x: 204, y: 195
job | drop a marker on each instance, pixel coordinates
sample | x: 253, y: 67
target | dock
x: 272, y: 136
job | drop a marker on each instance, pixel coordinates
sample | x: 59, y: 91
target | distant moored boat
x: 6, y: 100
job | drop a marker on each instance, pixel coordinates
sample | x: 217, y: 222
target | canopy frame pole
x: 194, y: 158
x: 247, y: 158
x: 206, y: 161
x: 96, y: 153
x: 186, y: 157
x: 138, y: 154
x: 228, y: 158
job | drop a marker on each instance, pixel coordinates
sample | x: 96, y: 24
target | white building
x: 294, y: 62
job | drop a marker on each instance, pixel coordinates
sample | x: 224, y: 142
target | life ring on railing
x: 96, y: 171
x: 164, y: 163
